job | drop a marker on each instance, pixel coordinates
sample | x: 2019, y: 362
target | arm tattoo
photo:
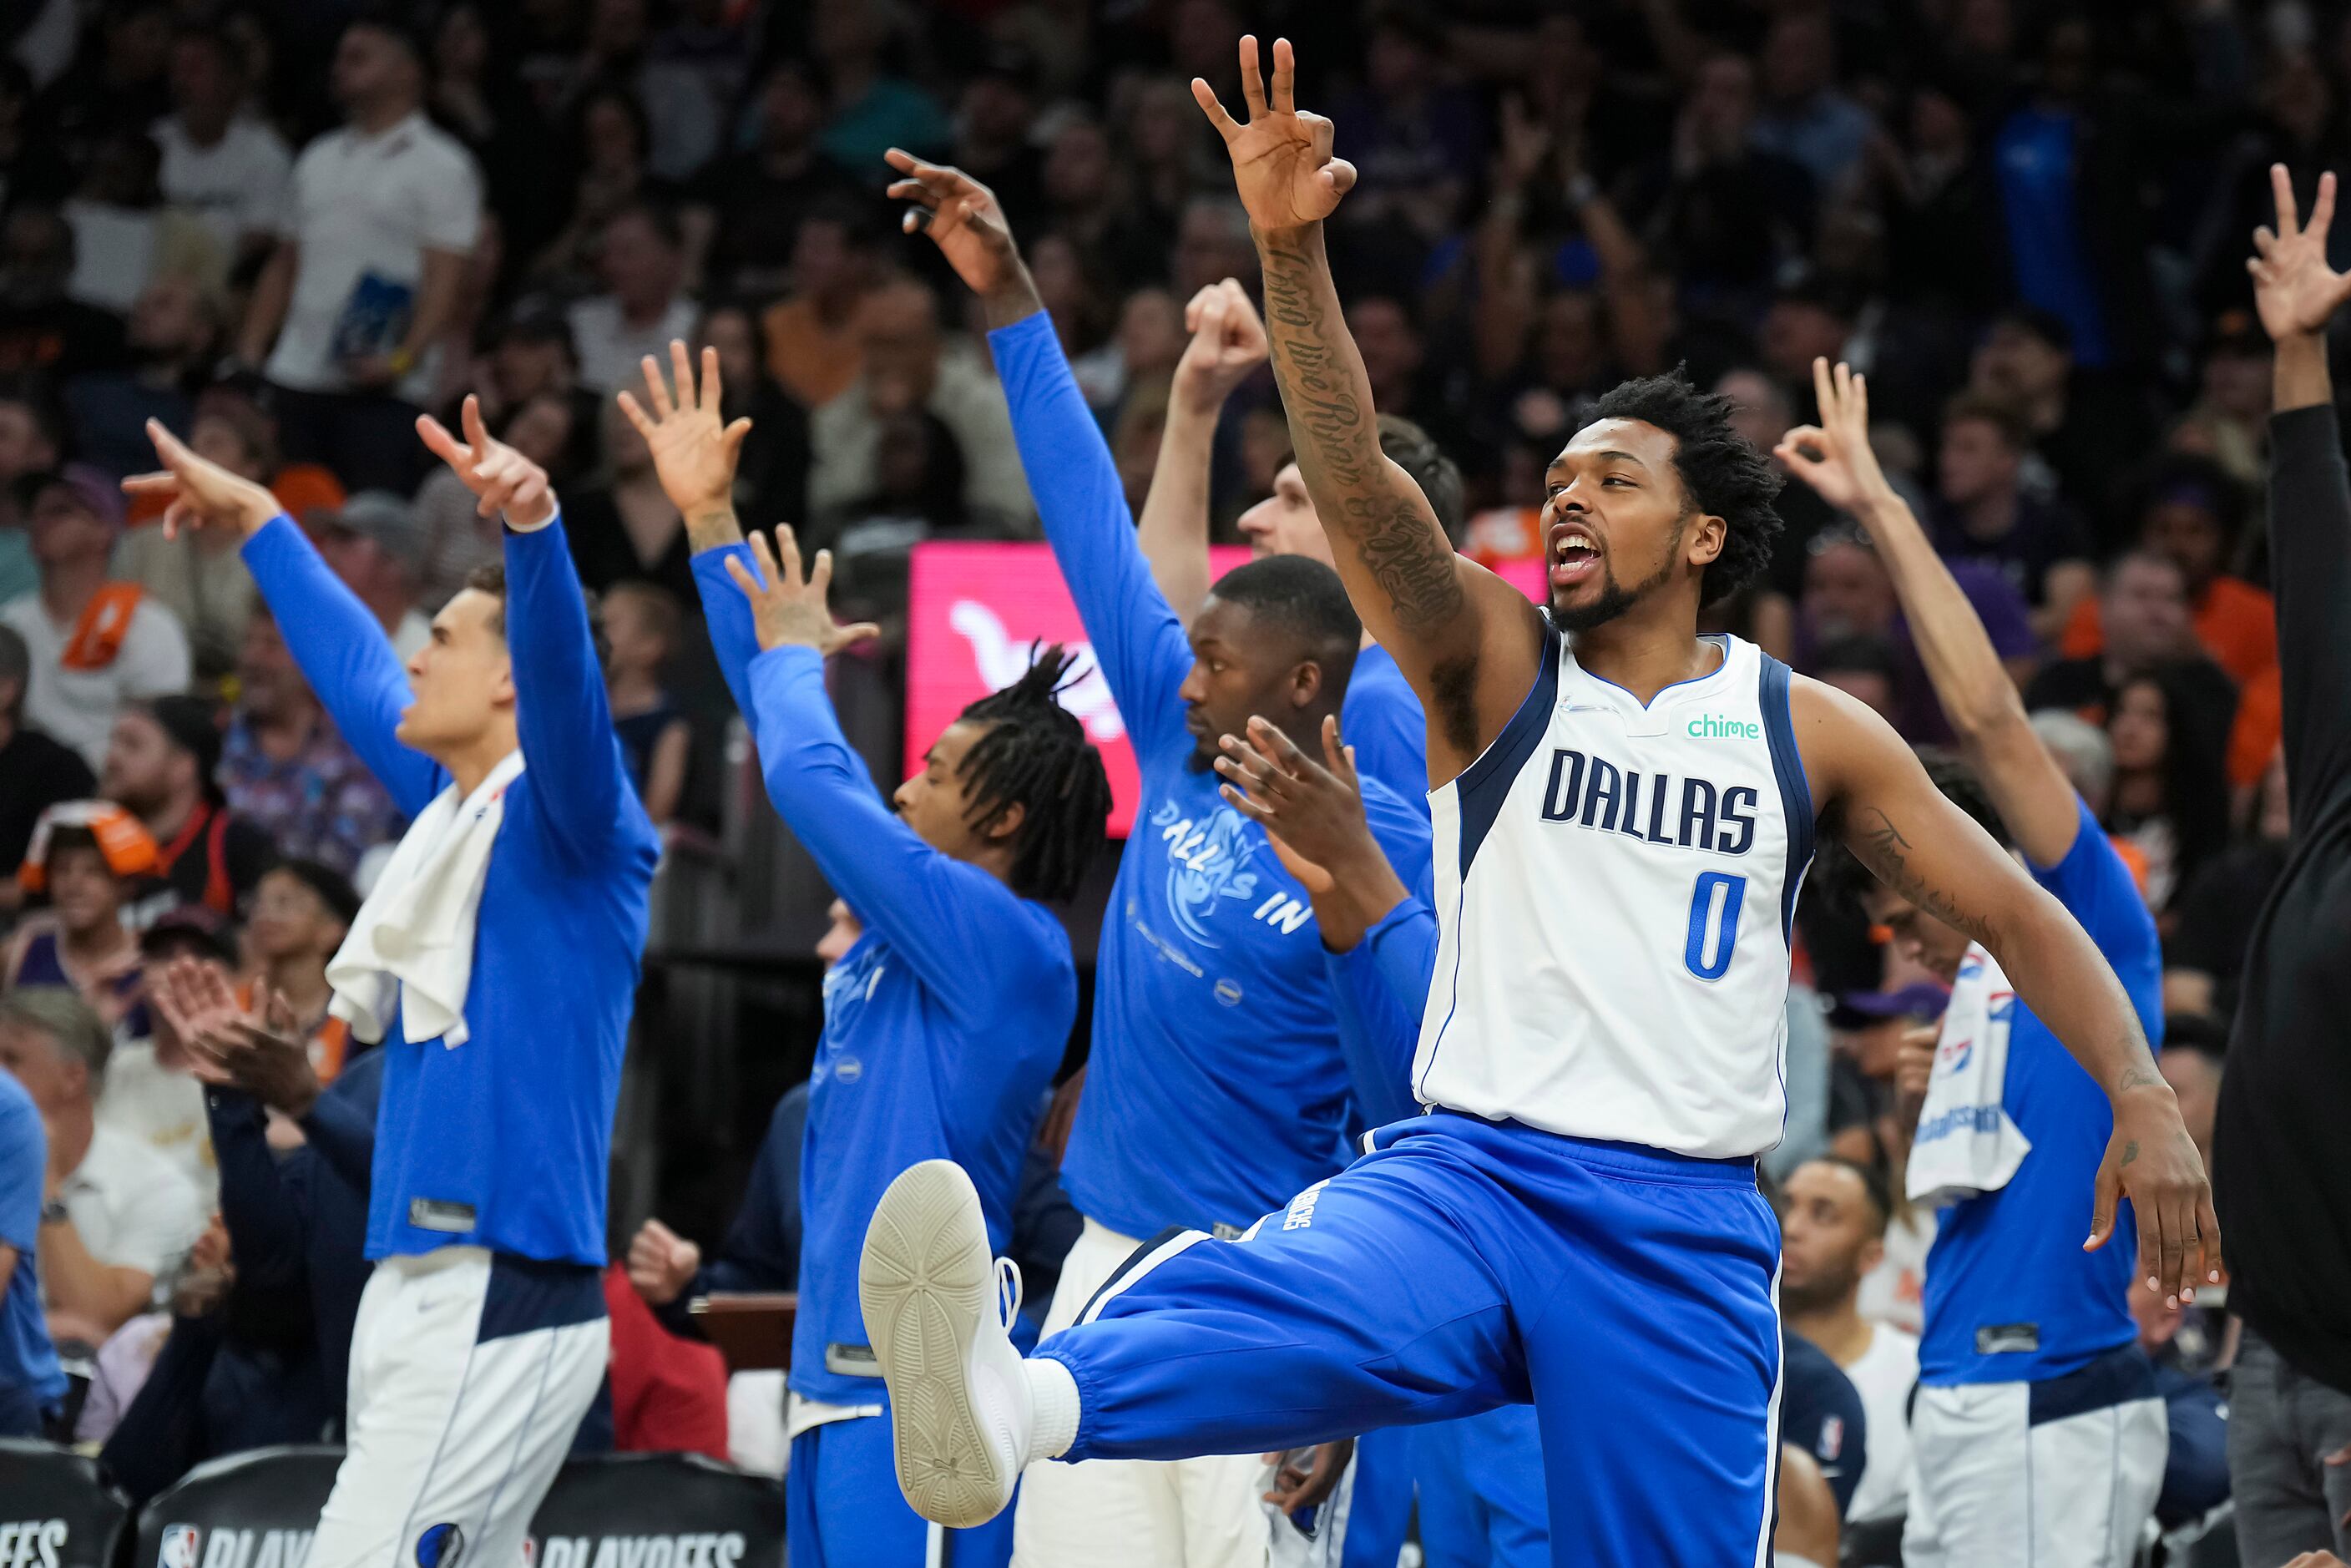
x: 1884, y: 851
x: 1402, y: 549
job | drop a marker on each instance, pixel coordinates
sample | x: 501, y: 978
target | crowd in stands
x: 283, y: 231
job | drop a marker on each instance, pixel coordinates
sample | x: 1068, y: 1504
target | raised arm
x: 2026, y: 784
x: 1879, y: 800
x: 337, y: 641
x: 1136, y: 635
x: 1227, y: 346
x: 561, y: 713
x: 2298, y: 293
x: 1468, y: 642
x: 935, y: 911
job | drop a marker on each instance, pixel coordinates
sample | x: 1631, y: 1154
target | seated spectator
x: 2229, y: 422
x: 32, y: 441
x: 2086, y: 425
x: 531, y: 355
x: 160, y: 766
x: 2083, y: 750
x: 608, y: 137
x: 231, y: 430
x: 627, y: 528
x: 123, y: 235
x: 642, y: 622
x: 1805, y: 117
x: 2170, y: 797
x: 32, y: 1385
x: 300, y: 916
x: 771, y: 472
x: 1866, y: 668
x: 285, y: 768
x: 151, y: 1091
x: 84, y: 855
x: 95, y: 642
x: 1981, y: 513
x: 908, y: 364
x: 36, y: 772
x: 640, y: 261
x: 2143, y: 610
x: 1730, y: 211
x: 174, y: 340
x: 870, y: 109
x: 221, y: 161
x: 115, y: 1213
x: 759, y: 197
x: 457, y: 539
x: 814, y: 347
x: 1834, y: 1221
x: 373, y: 543
x: 683, y: 120
x: 2217, y: 908
x: 2193, y: 514
x: 1822, y: 1416
x: 42, y: 332
x: 1420, y: 139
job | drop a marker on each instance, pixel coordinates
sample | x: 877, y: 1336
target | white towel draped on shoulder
x: 1967, y: 1145
x: 412, y: 948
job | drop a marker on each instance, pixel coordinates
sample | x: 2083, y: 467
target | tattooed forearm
x: 1372, y: 515
x: 1884, y: 850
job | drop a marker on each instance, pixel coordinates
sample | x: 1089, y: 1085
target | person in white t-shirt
x: 641, y: 260
x: 114, y: 1214
x: 94, y: 643
x: 375, y: 544
x: 379, y: 223
x: 222, y: 163
x: 1833, y: 1228
x: 151, y: 1095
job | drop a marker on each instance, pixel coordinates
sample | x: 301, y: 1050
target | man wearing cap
x: 374, y: 543
x: 285, y: 768
x: 83, y: 856
x: 381, y: 217
x: 300, y: 917
x: 93, y: 643
x: 160, y: 761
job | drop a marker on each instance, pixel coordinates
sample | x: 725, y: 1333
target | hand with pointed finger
x: 1835, y: 456
x: 199, y: 492
x: 963, y: 219
x: 503, y: 480
x: 1227, y: 346
x: 788, y: 610
x: 2294, y: 288
x: 1281, y: 159
x: 695, y: 449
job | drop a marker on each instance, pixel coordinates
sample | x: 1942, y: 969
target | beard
x: 1614, y: 600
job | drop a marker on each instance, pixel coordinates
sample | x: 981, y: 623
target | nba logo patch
x: 179, y: 1549
x: 530, y: 1552
x: 1832, y: 1437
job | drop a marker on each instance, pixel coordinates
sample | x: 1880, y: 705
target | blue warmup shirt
x: 1217, y: 1088
x: 2008, y: 1267
x: 28, y: 1362
x: 502, y: 1142
x: 942, y: 1024
x: 1381, y: 718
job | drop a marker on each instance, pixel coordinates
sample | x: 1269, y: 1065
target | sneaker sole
x: 926, y: 1285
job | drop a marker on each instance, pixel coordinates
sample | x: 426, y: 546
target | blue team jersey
x: 2007, y: 1268
x: 1217, y: 1089
x: 504, y: 1141
x: 1381, y: 718
x: 28, y: 1363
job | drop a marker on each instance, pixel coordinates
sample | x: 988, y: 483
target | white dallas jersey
x: 1614, y: 885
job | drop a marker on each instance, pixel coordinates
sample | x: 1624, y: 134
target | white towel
x: 411, y: 947
x: 1967, y: 1142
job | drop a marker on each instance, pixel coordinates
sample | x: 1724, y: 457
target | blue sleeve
x: 344, y: 1136
x: 733, y: 637
x: 1136, y: 638
x: 24, y: 1162
x: 2097, y: 890
x: 1379, y: 988
x: 561, y: 713
x: 261, y: 1201
x: 962, y: 931
x: 345, y: 656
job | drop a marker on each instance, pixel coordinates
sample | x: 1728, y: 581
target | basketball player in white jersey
x: 1625, y: 811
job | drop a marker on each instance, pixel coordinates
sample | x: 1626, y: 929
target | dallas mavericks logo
x: 1206, y: 862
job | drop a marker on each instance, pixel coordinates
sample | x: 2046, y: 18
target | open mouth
x: 1574, y: 555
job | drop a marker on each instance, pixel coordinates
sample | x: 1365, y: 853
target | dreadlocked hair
x: 1723, y: 477
x: 1035, y: 755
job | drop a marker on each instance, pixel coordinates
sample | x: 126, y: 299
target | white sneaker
x: 960, y: 1409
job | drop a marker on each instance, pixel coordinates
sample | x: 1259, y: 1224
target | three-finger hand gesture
x: 1281, y: 159
x: 695, y: 450
x: 2294, y: 288
x: 1313, y: 811
x: 198, y: 492
x: 502, y: 479
x: 787, y: 609
x: 963, y: 219
x: 1833, y: 456
x: 1227, y: 346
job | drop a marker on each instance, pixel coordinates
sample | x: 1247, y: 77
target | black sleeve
x: 2310, y: 565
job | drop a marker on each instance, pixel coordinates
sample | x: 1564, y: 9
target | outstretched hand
x: 963, y: 219
x: 1281, y: 159
x: 198, y: 492
x: 788, y: 610
x: 1833, y: 456
x: 501, y: 479
x: 1313, y: 811
x: 2294, y: 288
x: 195, y: 1000
x: 1227, y: 346
x: 695, y: 450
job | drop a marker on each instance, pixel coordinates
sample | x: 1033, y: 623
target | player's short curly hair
x: 1724, y: 476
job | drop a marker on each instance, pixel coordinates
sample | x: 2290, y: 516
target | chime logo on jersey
x: 1690, y: 813
x: 1207, y: 863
